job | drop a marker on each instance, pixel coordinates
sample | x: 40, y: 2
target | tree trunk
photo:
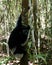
x: 24, y: 60
x: 35, y: 22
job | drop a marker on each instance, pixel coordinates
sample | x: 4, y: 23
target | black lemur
x: 18, y: 37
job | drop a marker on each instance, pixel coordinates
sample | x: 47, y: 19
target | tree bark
x: 24, y: 60
x: 35, y: 22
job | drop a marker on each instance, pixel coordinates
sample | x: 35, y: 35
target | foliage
x: 9, y: 13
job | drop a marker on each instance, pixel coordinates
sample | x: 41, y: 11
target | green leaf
x: 41, y: 56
